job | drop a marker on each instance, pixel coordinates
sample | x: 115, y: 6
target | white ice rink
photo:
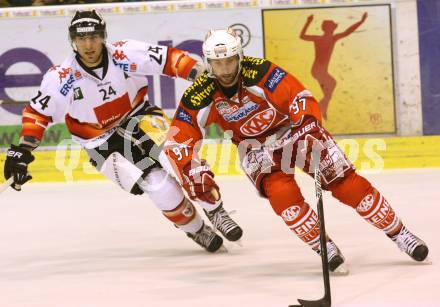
x: 90, y: 245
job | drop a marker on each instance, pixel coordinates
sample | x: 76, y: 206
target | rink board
x: 372, y: 154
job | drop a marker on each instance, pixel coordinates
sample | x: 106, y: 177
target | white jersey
x: 94, y: 104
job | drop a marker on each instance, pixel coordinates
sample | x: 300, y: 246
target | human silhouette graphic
x: 324, y: 45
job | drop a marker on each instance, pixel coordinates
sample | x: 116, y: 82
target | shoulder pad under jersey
x: 199, y: 94
x: 122, y: 50
x: 253, y: 70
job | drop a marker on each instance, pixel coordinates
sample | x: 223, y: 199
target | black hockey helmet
x: 87, y: 23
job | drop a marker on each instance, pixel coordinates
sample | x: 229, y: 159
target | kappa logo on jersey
x: 258, y: 123
x: 183, y: 116
x: 54, y: 67
x: 274, y: 79
x: 63, y: 73
x: 291, y: 213
x: 133, y: 67
x: 119, y: 43
x: 77, y: 94
x: 242, y: 112
x: 119, y: 55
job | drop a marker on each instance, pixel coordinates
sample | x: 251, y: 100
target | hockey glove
x: 198, y: 181
x: 17, y: 160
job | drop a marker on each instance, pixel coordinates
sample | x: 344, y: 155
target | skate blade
x: 427, y: 261
x: 238, y: 242
x: 222, y: 250
x: 341, y: 270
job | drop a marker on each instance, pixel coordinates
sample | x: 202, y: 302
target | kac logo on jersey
x: 183, y: 116
x: 258, y: 123
x: 274, y: 79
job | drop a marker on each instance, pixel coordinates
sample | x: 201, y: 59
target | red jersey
x: 268, y: 100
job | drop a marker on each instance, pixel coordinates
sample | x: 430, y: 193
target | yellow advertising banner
x: 344, y: 56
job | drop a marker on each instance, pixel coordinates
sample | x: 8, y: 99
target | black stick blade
x: 318, y: 303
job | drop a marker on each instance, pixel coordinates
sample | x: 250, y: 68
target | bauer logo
x: 366, y: 203
x: 291, y: 213
x: 183, y: 116
x: 274, y: 79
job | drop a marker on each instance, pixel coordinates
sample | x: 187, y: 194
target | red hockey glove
x: 198, y: 181
x: 310, y: 136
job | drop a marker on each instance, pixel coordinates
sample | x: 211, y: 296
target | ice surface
x: 91, y: 244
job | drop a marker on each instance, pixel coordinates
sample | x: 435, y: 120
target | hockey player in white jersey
x: 101, y: 91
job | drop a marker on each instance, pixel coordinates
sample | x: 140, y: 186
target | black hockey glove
x: 17, y: 160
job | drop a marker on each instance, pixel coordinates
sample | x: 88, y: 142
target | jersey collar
x: 89, y: 70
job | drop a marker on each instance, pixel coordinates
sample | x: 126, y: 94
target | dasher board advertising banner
x: 429, y: 44
x: 344, y: 56
x: 32, y: 44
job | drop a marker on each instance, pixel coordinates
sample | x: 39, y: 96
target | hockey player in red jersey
x: 274, y: 121
x: 101, y: 91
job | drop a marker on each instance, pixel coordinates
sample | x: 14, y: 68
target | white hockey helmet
x: 219, y: 44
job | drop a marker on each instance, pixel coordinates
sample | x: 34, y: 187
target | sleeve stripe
x: 31, y: 113
x: 178, y: 64
x: 33, y: 123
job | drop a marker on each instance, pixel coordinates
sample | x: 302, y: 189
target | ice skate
x: 207, y: 238
x: 411, y: 244
x: 221, y: 221
x: 336, y: 261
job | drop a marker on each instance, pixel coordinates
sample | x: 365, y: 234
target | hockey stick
x: 6, y: 184
x: 326, y: 300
